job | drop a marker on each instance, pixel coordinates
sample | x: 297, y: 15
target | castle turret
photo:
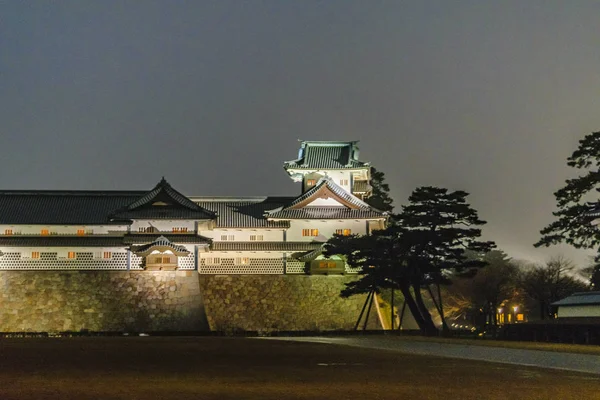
x: 336, y: 160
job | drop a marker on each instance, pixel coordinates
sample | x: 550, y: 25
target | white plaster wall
x: 243, y: 235
x: 579, y: 311
x: 326, y: 228
x: 63, y: 229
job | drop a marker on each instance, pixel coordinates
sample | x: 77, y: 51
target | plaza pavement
x: 531, y: 358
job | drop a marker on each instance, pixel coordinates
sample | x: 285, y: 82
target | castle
x: 163, y: 230
x: 160, y: 261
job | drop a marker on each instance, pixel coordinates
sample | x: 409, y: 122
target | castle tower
x: 335, y: 160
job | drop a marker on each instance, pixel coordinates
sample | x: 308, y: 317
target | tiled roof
x: 310, y: 255
x: 163, y: 202
x: 361, y: 187
x: 162, y: 242
x: 327, y: 155
x: 61, y: 241
x: 264, y: 246
x: 245, y: 214
x: 336, y: 189
x: 135, y: 238
x: 294, y: 210
x: 325, y: 213
x: 581, y: 298
x: 162, y: 212
x: 62, y: 207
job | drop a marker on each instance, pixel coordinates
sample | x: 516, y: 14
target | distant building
x: 582, y: 304
x: 162, y: 229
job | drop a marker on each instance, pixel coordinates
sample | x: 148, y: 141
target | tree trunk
x: 439, y: 308
x: 412, y: 306
x: 430, y: 328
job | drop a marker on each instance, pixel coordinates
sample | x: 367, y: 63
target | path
x: 533, y: 358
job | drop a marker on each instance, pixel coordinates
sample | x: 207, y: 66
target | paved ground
x: 533, y: 358
x: 181, y: 368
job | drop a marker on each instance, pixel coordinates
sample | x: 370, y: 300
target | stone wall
x: 143, y: 301
x: 280, y: 303
x: 51, y: 301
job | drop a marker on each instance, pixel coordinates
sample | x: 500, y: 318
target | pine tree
x: 577, y: 200
x: 380, y: 196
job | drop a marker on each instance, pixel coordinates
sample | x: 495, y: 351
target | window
x: 311, y: 182
x: 107, y: 254
x: 35, y: 254
x: 80, y: 232
x: 242, y: 260
x: 344, y: 182
x: 45, y: 232
x: 180, y: 230
x: 147, y: 229
x: 227, y: 237
x: 256, y: 237
x: 71, y: 255
x: 310, y: 232
x: 343, y: 232
x: 213, y: 261
x: 327, y: 264
x: 8, y: 232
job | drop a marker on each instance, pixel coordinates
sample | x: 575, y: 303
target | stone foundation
x: 51, y: 301
x: 145, y: 301
x: 280, y: 303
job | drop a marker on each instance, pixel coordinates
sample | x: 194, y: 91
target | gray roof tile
x: 135, y: 238
x: 62, y: 207
x: 327, y: 155
x: 245, y: 214
x: 580, y: 298
x: 61, y: 241
x: 265, y: 246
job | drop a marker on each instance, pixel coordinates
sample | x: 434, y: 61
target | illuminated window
x: 327, y: 264
x: 310, y: 232
x: 8, y: 232
x: 71, y: 255
x: 227, y: 237
x: 256, y: 237
x: 107, y: 254
x: 45, y: 232
x: 35, y: 254
x: 80, y: 232
x: 311, y: 182
x: 180, y: 230
x: 520, y: 317
x: 344, y: 232
x: 242, y: 260
x: 212, y: 261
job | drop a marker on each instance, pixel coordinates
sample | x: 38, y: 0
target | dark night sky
x: 488, y: 98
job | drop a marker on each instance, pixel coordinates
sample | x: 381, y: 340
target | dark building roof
x: 265, y: 246
x: 327, y: 155
x: 579, y: 299
x: 325, y: 213
x: 135, y: 238
x: 163, y: 202
x: 62, y: 207
x: 61, y: 241
x: 86, y: 207
x: 245, y: 213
